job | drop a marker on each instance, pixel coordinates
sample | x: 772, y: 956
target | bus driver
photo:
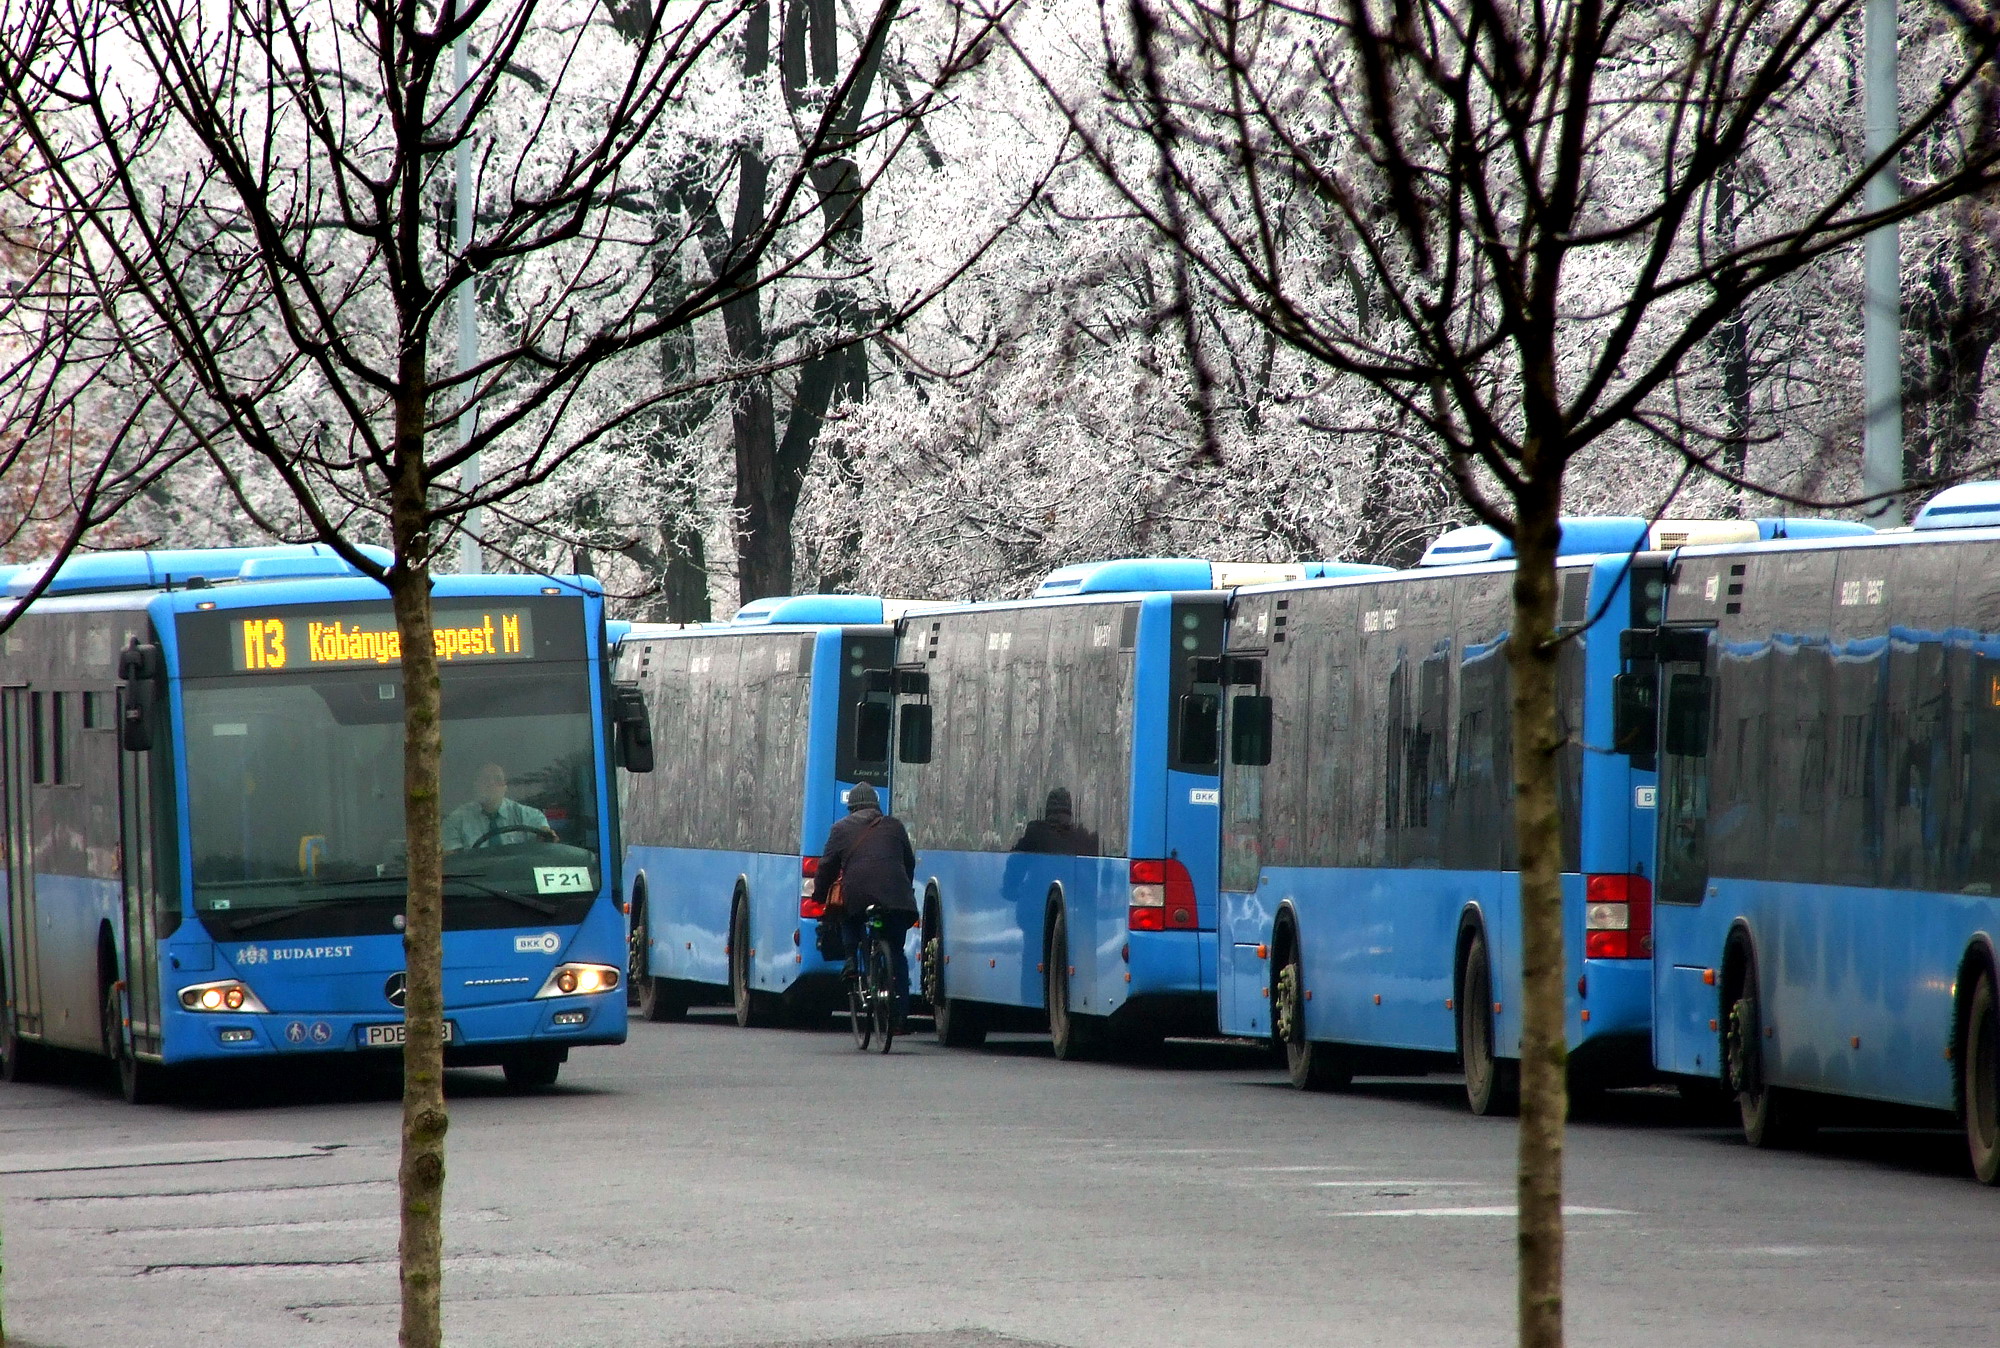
x: 493, y: 819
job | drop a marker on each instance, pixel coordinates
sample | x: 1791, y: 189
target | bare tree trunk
x: 1531, y: 660
x: 424, y: 1119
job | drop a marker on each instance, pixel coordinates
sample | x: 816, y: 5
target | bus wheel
x: 141, y: 1083
x: 1074, y: 1037
x: 1772, y: 1116
x: 531, y: 1069
x: 958, y: 1024
x: 1979, y: 1056
x: 1311, y: 1066
x: 1492, y: 1083
x: 656, y: 999
x: 752, y: 1008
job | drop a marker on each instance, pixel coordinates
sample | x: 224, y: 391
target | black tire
x: 141, y: 1083
x: 1311, y: 1066
x: 656, y: 999
x: 859, y: 1018
x: 959, y: 1024
x: 532, y: 1069
x: 1492, y: 1083
x: 1979, y: 1092
x: 1075, y: 1037
x: 1772, y: 1116
x: 882, y: 992
x: 752, y: 1008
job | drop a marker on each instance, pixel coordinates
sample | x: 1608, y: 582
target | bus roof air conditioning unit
x: 107, y: 571
x: 1970, y: 505
x: 795, y: 610
x: 1582, y: 536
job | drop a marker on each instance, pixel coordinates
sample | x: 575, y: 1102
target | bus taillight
x: 1162, y: 897
x: 808, y: 905
x: 1617, y: 917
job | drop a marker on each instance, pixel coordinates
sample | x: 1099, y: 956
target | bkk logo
x: 545, y: 944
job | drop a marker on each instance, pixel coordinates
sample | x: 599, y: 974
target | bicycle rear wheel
x: 882, y: 991
x: 860, y: 1017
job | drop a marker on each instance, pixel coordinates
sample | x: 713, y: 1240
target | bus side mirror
x: 634, y: 726
x: 140, y: 666
x: 913, y: 733
x: 871, y: 732
x: 1250, y: 730
x: 1635, y: 721
x: 1688, y: 697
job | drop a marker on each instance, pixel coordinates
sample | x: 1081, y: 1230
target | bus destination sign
x: 308, y: 641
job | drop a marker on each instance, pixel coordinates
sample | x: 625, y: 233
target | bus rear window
x: 867, y: 662
x: 1195, y: 686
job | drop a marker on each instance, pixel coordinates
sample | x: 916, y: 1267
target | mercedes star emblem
x: 395, y: 989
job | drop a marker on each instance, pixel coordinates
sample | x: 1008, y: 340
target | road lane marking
x: 1496, y: 1210
x: 170, y: 1153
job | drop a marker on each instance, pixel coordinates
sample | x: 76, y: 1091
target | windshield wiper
x: 263, y: 917
x: 533, y: 905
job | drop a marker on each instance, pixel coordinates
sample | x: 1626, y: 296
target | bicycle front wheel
x: 882, y: 992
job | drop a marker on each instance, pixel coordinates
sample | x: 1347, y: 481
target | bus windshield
x: 295, y: 799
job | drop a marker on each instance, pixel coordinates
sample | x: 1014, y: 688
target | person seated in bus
x: 869, y: 853
x: 492, y: 818
x: 1056, y: 831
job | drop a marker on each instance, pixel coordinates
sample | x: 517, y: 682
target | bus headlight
x: 228, y: 995
x: 570, y: 980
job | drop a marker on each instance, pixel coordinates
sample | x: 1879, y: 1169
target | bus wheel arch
x: 1312, y: 1065
x: 1975, y: 1055
x: 111, y: 1022
x: 656, y: 999
x: 752, y: 1008
x: 1773, y: 1116
x: 1073, y: 1035
x: 1492, y: 1081
x: 959, y: 1024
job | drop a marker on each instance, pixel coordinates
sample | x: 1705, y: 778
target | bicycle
x: 871, y: 985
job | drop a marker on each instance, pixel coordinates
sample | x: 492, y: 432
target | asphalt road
x: 706, y: 1185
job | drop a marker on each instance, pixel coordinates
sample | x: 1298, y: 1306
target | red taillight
x: 808, y: 905
x: 1617, y: 917
x: 1162, y: 897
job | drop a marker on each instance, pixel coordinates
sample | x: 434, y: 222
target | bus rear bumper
x: 1159, y: 1015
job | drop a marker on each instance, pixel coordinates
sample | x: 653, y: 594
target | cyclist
x: 869, y: 853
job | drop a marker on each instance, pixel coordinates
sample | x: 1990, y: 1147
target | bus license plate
x: 391, y: 1036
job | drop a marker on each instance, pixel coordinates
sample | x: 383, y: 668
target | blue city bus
x: 1828, y: 735
x: 1370, y: 909
x: 201, y: 767
x: 761, y: 726
x: 1056, y: 764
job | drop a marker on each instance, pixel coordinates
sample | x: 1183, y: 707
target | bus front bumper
x: 474, y: 1034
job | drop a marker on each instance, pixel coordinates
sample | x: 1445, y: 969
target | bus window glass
x: 296, y: 801
x: 1683, y: 798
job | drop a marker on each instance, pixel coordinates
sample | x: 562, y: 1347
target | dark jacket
x: 876, y: 861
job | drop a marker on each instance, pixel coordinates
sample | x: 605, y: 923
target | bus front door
x: 23, y: 990
x: 1685, y: 1039
x: 139, y: 898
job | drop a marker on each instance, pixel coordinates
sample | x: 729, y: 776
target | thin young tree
x: 1530, y: 193
x: 265, y: 192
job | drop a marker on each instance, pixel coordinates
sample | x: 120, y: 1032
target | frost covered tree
x: 262, y: 196
x: 1529, y: 192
